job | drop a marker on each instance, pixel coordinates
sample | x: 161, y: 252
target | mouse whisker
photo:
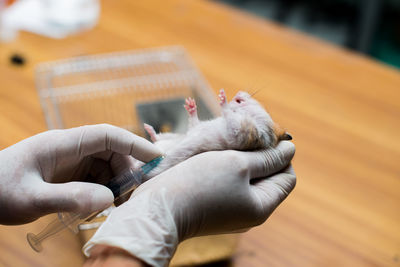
x: 255, y: 92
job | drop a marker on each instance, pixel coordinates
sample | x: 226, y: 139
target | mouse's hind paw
x: 190, y: 106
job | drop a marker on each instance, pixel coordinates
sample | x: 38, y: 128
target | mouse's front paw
x: 222, y: 97
x: 190, y: 106
x: 150, y: 130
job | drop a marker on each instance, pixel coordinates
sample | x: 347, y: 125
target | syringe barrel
x: 125, y: 182
x: 119, y: 185
x: 70, y: 220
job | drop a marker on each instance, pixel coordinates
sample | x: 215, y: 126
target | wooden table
x: 342, y: 109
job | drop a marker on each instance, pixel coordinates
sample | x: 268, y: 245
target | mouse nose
x: 287, y: 136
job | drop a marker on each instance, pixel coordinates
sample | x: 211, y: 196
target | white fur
x: 222, y: 133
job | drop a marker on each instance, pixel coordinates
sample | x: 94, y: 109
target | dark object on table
x: 17, y: 59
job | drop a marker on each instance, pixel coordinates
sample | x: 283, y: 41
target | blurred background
x: 315, y: 65
x: 371, y: 27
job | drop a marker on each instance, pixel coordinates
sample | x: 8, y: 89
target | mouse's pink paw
x: 222, y: 97
x: 190, y: 106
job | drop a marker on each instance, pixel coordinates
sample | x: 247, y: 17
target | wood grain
x: 342, y: 109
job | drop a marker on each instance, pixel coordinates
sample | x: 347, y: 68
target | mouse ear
x: 248, y: 136
x: 280, y: 133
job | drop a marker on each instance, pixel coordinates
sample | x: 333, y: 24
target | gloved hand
x: 36, y: 174
x: 211, y: 193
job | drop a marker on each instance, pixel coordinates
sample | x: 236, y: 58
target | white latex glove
x: 36, y: 173
x: 211, y: 193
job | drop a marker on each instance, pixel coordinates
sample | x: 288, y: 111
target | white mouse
x: 244, y: 125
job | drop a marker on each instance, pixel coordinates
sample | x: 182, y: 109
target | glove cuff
x: 148, y: 231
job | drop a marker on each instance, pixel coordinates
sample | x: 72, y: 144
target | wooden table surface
x: 342, y: 109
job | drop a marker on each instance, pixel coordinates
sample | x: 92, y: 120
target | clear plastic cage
x: 124, y: 89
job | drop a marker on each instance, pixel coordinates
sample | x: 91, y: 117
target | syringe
x: 120, y: 185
